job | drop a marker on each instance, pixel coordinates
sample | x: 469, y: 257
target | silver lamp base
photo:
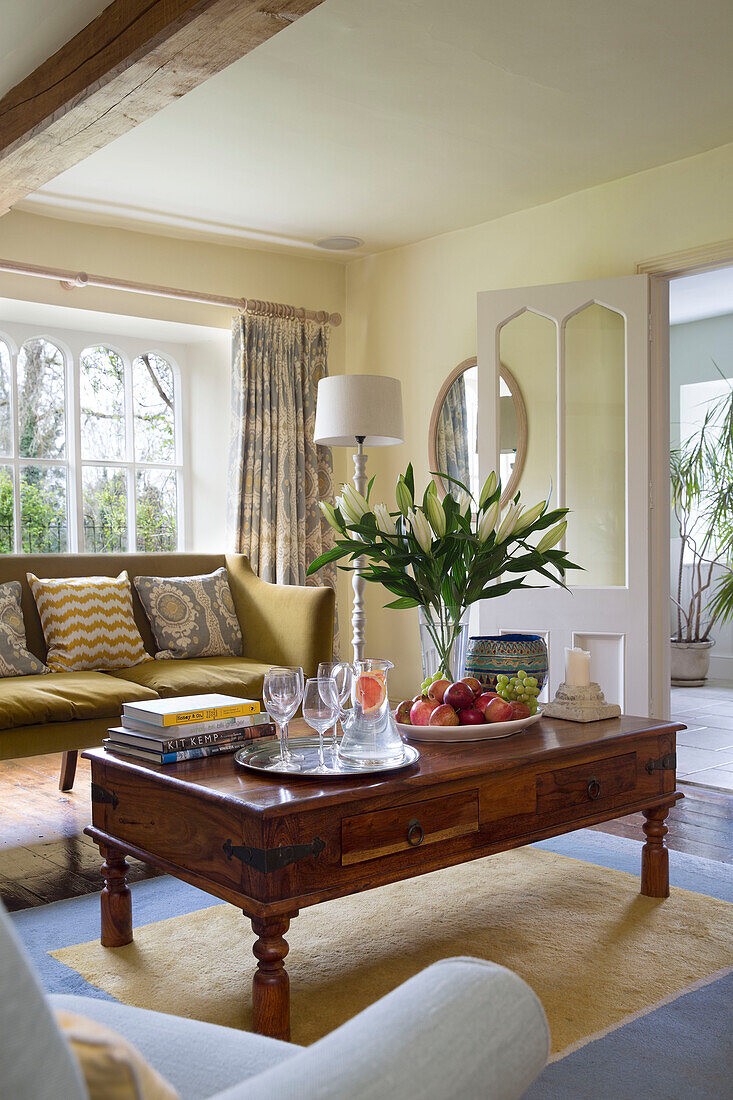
x: 581, y: 704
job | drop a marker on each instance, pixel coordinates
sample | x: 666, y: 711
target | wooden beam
x: 135, y: 58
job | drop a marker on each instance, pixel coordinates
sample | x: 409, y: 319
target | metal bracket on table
x: 101, y: 794
x: 267, y: 860
x: 666, y: 763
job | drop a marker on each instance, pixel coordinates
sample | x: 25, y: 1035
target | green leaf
x: 403, y: 604
x: 333, y: 554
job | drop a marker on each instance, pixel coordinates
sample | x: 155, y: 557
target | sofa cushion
x: 228, y: 675
x: 88, y: 622
x: 113, y: 1069
x: 62, y: 696
x: 15, y: 658
x: 191, y: 616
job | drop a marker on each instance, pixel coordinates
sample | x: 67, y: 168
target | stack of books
x: 165, y: 731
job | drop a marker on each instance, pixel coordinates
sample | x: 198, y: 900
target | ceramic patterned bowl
x: 488, y: 656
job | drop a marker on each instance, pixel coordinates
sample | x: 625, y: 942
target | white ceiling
x: 395, y: 122
x: 695, y: 297
x: 32, y: 30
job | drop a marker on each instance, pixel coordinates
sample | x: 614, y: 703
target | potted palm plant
x: 702, y: 503
x: 443, y: 556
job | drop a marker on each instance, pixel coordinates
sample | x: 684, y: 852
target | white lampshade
x: 359, y: 405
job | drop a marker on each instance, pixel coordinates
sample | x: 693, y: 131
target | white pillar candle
x: 577, y: 667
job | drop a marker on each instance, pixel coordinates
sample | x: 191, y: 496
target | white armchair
x: 463, y: 1029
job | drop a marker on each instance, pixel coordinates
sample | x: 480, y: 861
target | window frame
x: 72, y: 348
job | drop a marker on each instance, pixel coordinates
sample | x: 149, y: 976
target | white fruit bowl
x: 488, y: 731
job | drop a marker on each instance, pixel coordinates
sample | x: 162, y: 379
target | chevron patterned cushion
x: 88, y: 622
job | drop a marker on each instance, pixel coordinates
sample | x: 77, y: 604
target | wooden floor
x: 44, y: 855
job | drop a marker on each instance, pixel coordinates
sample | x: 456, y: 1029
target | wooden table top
x: 218, y: 778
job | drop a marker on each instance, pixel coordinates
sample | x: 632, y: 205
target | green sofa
x: 68, y: 711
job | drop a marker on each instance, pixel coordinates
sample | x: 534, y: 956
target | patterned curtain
x: 452, y: 434
x: 277, y: 473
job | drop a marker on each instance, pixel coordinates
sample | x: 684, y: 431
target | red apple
x: 437, y: 690
x: 459, y: 696
x: 520, y: 710
x: 402, y: 714
x: 483, y: 700
x: 475, y: 685
x: 418, y: 698
x: 498, y: 710
x: 443, y: 715
x: 471, y: 716
x: 421, y: 710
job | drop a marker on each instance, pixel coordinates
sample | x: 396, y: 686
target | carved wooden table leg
x: 654, y: 854
x: 116, y: 899
x: 271, y: 984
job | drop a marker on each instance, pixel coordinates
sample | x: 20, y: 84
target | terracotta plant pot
x: 690, y: 663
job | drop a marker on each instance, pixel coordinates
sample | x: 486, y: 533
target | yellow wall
x: 412, y: 311
x: 193, y: 265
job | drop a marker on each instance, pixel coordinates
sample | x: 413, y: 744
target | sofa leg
x: 68, y: 770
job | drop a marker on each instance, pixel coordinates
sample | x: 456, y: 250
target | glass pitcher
x: 370, y: 734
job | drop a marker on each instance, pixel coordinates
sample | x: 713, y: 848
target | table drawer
x: 598, y: 781
x: 412, y: 825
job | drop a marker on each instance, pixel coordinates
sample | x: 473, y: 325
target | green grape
x: 530, y: 682
x: 521, y: 675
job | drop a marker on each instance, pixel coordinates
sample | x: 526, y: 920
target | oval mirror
x: 453, y: 434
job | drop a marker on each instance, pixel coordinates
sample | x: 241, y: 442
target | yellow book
x: 190, y: 709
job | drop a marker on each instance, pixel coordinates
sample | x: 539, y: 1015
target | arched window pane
x: 102, y: 400
x: 6, y: 390
x: 104, y: 489
x: 153, y: 404
x: 43, y: 509
x: 157, y: 510
x: 41, y: 400
x: 7, y: 522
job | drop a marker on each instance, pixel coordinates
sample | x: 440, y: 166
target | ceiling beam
x: 135, y: 58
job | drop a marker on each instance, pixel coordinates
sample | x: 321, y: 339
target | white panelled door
x: 580, y: 353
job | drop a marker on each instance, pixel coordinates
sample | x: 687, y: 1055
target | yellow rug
x: 592, y: 948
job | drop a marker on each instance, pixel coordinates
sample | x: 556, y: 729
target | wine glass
x: 320, y: 710
x: 343, y: 674
x: 282, y: 692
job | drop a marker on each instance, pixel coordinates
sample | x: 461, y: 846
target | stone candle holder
x: 581, y: 704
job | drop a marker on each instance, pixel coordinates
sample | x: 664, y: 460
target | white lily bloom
x: 329, y: 515
x: 345, y: 509
x: 359, y: 505
x: 421, y: 530
x: 487, y: 522
x: 552, y: 537
x: 488, y: 489
x: 464, y: 502
x: 509, y: 522
x: 527, y: 518
x: 385, y: 523
x: 435, y: 514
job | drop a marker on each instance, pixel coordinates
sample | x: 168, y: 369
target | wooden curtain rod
x: 71, y: 279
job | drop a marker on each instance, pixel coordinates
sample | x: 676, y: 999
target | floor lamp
x: 359, y: 410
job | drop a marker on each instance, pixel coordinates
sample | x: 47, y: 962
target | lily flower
x: 552, y: 537
x: 404, y: 496
x: 488, y: 489
x: 330, y: 516
x: 464, y: 502
x: 528, y: 518
x: 435, y: 514
x: 421, y: 530
x: 509, y: 522
x: 487, y: 522
x: 385, y: 523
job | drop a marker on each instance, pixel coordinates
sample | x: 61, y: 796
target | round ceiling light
x: 339, y: 244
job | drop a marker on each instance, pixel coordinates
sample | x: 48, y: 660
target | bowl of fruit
x: 464, y: 711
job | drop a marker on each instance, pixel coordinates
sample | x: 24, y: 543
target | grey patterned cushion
x: 15, y: 659
x: 191, y: 616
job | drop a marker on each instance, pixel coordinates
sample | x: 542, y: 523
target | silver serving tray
x: 260, y: 754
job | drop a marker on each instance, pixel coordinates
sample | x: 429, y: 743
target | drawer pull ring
x: 594, y: 788
x: 415, y: 832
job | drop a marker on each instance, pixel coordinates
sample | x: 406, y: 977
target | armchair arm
x: 462, y: 1028
x: 282, y: 624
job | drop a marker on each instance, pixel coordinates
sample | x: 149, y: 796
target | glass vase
x: 443, y: 641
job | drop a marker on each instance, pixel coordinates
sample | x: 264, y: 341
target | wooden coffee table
x: 271, y: 848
